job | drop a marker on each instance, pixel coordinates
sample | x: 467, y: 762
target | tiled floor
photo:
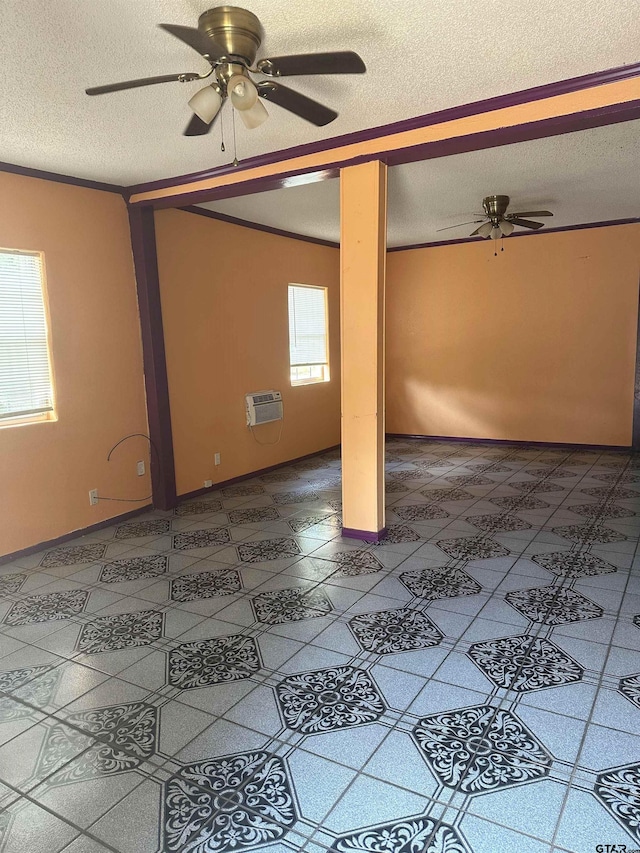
x: 236, y: 676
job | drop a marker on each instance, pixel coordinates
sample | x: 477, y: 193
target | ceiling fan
x: 228, y: 37
x: 497, y: 223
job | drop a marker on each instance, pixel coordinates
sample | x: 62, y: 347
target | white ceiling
x: 589, y: 176
x: 422, y: 56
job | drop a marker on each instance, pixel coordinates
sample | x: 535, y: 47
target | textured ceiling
x: 589, y: 176
x: 422, y: 56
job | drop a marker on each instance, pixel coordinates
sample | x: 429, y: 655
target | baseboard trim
x: 618, y: 448
x: 75, y: 534
x: 366, y: 535
x: 197, y: 493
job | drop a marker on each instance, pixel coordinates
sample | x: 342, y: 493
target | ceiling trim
x: 257, y: 226
x: 28, y: 172
x: 523, y: 96
x: 503, y: 135
x: 435, y: 243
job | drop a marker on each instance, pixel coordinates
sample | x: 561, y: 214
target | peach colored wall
x: 47, y: 469
x: 224, y: 305
x: 537, y: 344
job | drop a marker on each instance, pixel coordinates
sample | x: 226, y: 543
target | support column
x: 143, y: 244
x: 363, y: 249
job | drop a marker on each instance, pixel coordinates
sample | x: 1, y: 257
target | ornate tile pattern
x: 118, y: 738
x: 625, y: 477
x: 573, y: 564
x: 133, y: 569
x: 490, y: 468
x: 516, y: 504
x: 298, y: 524
x: 469, y: 480
x: 552, y: 473
x: 589, y: 533
x: 447, y: 495
x: 290, y: 605
x: 197, y: 508
x: 121, y: 631
x: 201, y: 538
x: 134, y: 529
x: 284, y: 498
x: 439, y: 582
x: 242, y: 491
x: 472, y: 548
x: 47, y: 606
x: 630, y: 687
x: 553, y: 605
x: 34, y: 685
x: 71, y: 555
x: 241, y: 802
x: 494, y: 523
x: 204, y: 662
x: 395, y: 486
x: 619, y: 791
x: 602, y: 510
x: 10, y: 584
x: 525, y: 663
x: 412, y: 835
x: 614, y: 494
x: 537, y: 486
x: 268, y: 549
x: 420, y: 512
x: 262, y: 513
x: 205, y: 585
x: 400, y: 630
x: 397, y: 534
x: 329, y: 699
x: 481, y: 749
x: 356, y: 562
x: 408, y: 475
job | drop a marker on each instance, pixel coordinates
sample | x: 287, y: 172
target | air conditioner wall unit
x: 263, y: 407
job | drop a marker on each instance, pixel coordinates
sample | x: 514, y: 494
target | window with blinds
x: 26, y: 391
x: 308, y: 334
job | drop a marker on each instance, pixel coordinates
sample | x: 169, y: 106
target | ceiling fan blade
x: 338, y: 62
x: 197, y: 127
x: 195, y: 39
x: 459, y: 225
x: 296, y: 103
x: 530, y: 213
x: 525, y: 223
x: 145, y: 81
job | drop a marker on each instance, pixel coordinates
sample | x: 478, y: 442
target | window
x: 308, y: 334
x: 26, y: 392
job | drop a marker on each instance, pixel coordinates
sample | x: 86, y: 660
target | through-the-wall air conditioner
x: 263, y: 407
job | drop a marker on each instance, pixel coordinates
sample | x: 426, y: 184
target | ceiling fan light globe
x: 206, y: 103
x: 485, y: 230
x: 254, y: 117
x: 505, y: 227
x: 495, y: 233
x: 242, y: 92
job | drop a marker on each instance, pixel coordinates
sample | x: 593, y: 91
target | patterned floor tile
x: 197, y: 508
x: 42, y: 608
x: 246, y: 516
x: 329, y: 699
x: 614, y: 494
x: 10, y: 584
x: 420, y: 512
x: 619, y: 791
x: 469, y: 480
x: 411, y: 835
x: 268, y: 549
x: 573, y: 564
x: 481, y: 749
x: 589, y: 533
x: 133, y: 569
x: 298, y: 524
x: 205, y: 662
x: 472, y: 548
x: 240, y: 802
x: 519, y: 503
x: 71, y: 555
x: 205, y: 585
x: 201, y: 538
x: 601, y: 510
x: 356, y: 562
x: 121, y: 631
x: 525, y: 663
x: 630, y: 687
x: 553, y: 605
x: 397, y: 534
x: 134, y: 529
x: 242, y: 491
x: 447, y: 495
x: 284, y: 498
x: 290, y: 605
x: 499, y: 521
x: 439, y: 582
x: 400, y: 630
x: 32, y: 685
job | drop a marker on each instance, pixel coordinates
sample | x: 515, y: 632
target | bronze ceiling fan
x: 229, y: 37
x: 497, y: 223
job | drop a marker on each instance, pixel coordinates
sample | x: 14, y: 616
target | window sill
x: 46, y: 418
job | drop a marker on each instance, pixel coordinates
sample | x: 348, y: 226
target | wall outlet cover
x: 208, y: 484
x: 216, y: 459
x: 93, y: 497
x: 140, y: 468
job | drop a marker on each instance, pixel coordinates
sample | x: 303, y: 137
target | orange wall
x: 537, y: 344
x: 47, y: 469
x: 224, y: 305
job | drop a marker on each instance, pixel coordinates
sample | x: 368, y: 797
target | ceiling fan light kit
x: 229, y: 38
x: 496, y: 223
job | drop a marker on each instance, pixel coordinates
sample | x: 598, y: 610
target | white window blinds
x: 25, y: 375
x: 307, y: 325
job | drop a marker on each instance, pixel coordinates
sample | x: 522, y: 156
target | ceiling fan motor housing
x: 495, y: 206
x: 237, y: 30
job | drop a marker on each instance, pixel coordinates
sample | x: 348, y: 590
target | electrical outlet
x: 208, y: 484
x: 216, y: 459
x: 140, y: 468
x: 93, y: 497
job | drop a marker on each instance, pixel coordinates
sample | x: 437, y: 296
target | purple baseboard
x: 68, y: 537
x: 366, y: 535
x: 619, y: 448
x: 224, y: 483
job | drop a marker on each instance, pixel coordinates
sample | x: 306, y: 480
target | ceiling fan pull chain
x: 222, y: 148
x: 235, y: 150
